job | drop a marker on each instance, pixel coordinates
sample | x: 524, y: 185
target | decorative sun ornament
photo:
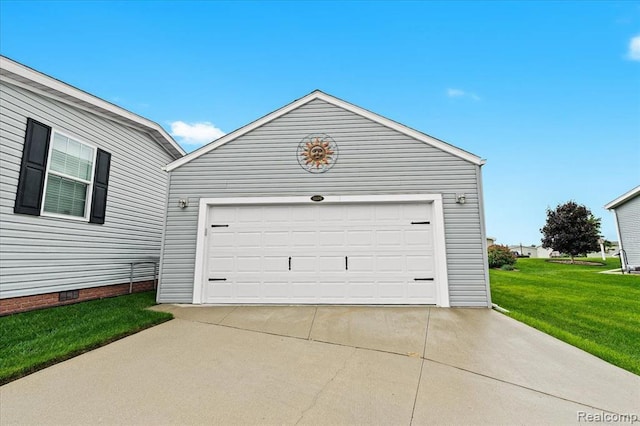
x: 317, y: 153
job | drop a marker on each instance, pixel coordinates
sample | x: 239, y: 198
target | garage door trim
x: 440, y: 256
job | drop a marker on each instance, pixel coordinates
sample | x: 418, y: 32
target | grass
x: 34, y: 340
x: 599, y: 313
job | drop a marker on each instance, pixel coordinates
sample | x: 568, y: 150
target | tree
x: 571, y: 229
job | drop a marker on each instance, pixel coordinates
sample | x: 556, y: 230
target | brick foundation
x: 48, y: 300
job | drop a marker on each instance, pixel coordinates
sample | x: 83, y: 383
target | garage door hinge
x: 217, y: 279
x: 219, y: 226
x: 423, y: 279
x: 420, y: 223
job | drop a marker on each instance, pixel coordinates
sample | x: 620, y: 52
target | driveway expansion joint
x: 519, y: 385
x: 315, y: 312
x: 424, y: 352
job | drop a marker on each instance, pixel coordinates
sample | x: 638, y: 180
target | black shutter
x: 33, y: 169
x: 100, y: 184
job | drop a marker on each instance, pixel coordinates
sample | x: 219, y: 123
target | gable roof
x: 317, y: 94
x: 623, y: 198
x: 35, y: 81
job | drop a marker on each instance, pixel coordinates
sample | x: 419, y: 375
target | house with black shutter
x: 82, y: 193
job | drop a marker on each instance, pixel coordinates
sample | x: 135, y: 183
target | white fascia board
x: 64, y: 90
x: 339, y: 103
x: 239, y: 132
x: 429, y: 140
x: 623, y: 198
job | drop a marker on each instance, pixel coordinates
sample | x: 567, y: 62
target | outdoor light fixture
x: 183, y: 203
x: 460, y: 198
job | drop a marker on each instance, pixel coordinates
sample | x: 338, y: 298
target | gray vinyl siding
x: 41, y: 254
x: 628, y: 215
x: 373, y: 159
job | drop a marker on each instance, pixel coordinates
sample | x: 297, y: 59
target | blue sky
x: 547, y: 92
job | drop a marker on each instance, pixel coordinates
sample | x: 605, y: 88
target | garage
x: 324, y: 202
x: 366, y: 250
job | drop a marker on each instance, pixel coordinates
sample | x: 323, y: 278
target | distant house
x: 491, y: 241
x: 531, y: 251
x: 82, y: 196
x: 626, y: 211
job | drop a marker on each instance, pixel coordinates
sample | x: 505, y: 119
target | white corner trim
x: 339, y: 103
x: 440, y: 252
x: 201, y: 252
x: 440, y: 255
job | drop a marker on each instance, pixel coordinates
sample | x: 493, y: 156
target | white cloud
x: 195, y: 133
x: 634, y: 48
x: 457, y: 93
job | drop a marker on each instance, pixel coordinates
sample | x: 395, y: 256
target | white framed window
x: 69, y: 177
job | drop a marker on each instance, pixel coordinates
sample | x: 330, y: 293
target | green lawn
x: 598, y: 313
x: 33, y: 340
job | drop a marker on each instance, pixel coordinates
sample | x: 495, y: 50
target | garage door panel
x: 361, y: 290
x: 275, y: 214
x: 225, y: 215
x: 222, y: 240
x: 251, y: 216
x: 249, y: 263
x: 358, y: 213
x: 332, y: 289
x: 275, y: 239
x: 247, y: 289
x: 304, y: 264
x: 389, y: 263
x: 385, y: 253
x: 363, y: 264
x: 275, y: 264
x: 303, y: 239
x: 418, y: 237
x: 360, y: 238
x: 421, y: 289
x: 387, y: 238
x: 394, y: 289
x: 328, y: 239
x: 219, y: 264
x: 420, y: 264
x: 276, y: 290
x: 248, y: 240
x: 221, y: 290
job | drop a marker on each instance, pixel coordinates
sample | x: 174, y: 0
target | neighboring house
x: 531, y: 251
x: 82, y: 193
x: 322, y: 201
x: 491, y: 241
x: 626, y: 211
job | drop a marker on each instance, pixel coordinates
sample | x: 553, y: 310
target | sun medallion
x: 317, y: 153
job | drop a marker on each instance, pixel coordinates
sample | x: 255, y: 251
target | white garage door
x: 320, y: 253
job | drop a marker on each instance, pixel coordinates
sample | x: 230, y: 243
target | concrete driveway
x: 326, y: 365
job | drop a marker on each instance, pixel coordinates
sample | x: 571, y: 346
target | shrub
x: 500, y: 256
x: 507, y: 267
